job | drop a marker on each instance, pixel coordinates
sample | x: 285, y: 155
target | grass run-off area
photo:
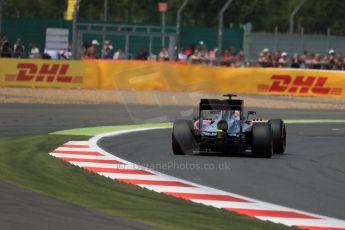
x: 25, y: 162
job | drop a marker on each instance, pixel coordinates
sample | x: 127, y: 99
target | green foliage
x: 316, y: 16
x: 49, y: 9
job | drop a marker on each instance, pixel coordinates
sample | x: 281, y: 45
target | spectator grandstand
x: 195, y: 54
x: 329, y: 61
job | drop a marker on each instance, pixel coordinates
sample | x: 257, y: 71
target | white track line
x: 129, y: 176
x: 60, y: 155
x: 78, y: 143
x: 74, y: 149
x: 162, y: 183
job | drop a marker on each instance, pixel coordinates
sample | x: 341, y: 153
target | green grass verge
x: 24, y: 162
x: 105, y: 129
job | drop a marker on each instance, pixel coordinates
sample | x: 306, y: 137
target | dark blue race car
x: 221, y: 127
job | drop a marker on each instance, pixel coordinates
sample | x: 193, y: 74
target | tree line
x: 315, y: 16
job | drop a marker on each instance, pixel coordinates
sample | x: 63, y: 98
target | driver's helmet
x: 226, y: 114
x: 216, y: 114
x: 230, y: 115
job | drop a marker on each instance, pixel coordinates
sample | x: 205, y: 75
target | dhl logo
x: 28, y: 72
x: 299, y: 85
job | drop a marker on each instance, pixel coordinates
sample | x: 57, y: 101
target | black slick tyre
x: 279, y: 136
x: 182, y: 137
x: 262, y: 140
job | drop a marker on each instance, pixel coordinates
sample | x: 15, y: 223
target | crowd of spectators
x: 195, y: 54
x: 91, y: 51
x: 18, y: 50
x: 278, y: 59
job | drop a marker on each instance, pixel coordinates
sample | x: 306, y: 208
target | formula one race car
x: 221, y: 127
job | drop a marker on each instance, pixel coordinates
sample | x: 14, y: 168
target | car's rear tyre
x: 279, y: 136
x: 183, y: 139
x: 262, y: 140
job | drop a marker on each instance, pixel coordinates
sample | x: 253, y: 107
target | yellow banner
x: 42, y: 73
x: 162, y: 76
x: 136, y: 75
x: 298, y: 82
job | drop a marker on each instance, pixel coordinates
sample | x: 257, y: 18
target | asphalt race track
x: 20, y: 207
x: 23, y: 209
x: 27, y: 119
x: 310, y: 176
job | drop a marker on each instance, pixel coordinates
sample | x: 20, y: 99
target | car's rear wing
x: 216, y: 104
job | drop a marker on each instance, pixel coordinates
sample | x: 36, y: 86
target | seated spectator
x: 266, y: 59
x: 85, y: 46
x: 316, y: 61
x: 296, y: 61
x: 92, y: 51
x: 188, y: 52
x: 212, y: 56
x: 119, y: 55
x: 283, y: 61
x: 108, y: 50
x: 239, y: 60
x: 6, y: 50
x: 305, y: 60
x: 163, y: 55
x: 227, y: 57
x: 330, y: 60
x: 276, y: 56
x: 339, y: 62
x: 203, y: 55
x: 107, y: 53
x: 181, y: 56
x: 34, y: 51
x: 152, y: 57
x: 142, y: 54
x: 269, y: 62
x: 263, y: 58
x: 18, y: 49
x: 194, y: 58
